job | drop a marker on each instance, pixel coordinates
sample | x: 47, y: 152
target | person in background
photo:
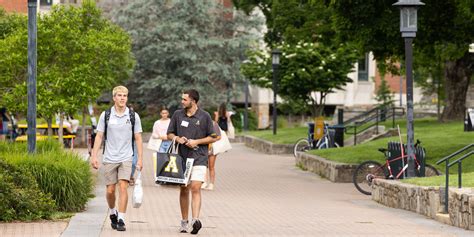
x: 4, y: 119
x: 160, y: 127
x: 211, y: 171
x: 222, y: 117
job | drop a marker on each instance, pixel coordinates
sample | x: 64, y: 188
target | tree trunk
x: 49, y: 121
x: 458, y: 76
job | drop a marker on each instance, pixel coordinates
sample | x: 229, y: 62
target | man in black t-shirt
x: 193, y: 130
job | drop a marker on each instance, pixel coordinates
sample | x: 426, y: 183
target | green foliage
x: 284, y: 135
x: 79, y: 55
x: 239, y: 116
x: 304, y: 68
x: 9, y: 23
x: 62, y: 174
x: 182, y: 44
x: 293, y: 106
x: 20, y: 196
x: 148, y: 122
x: 384, y: 96
x: 445, y: 29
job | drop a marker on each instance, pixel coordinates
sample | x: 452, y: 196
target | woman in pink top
x: 159, y: 129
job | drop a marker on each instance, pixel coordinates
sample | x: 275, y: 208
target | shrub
x: 20, y: 196
x: 239, y: 116
x: 148, y: 122
x: 62, y: 174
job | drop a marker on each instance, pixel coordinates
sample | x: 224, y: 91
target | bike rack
x: 448, y: 164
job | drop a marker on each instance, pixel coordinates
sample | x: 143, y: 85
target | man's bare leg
x: 110, y: 196
x: 123, y: 196
x: 184, y: 202
x: 196, y: 198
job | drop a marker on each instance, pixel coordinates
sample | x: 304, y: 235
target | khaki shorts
x: 114, y: 172
x: 198, y: 173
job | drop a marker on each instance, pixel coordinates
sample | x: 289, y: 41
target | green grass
x: 284, y: 135
x: 467, y: 180
x: 439, y: 140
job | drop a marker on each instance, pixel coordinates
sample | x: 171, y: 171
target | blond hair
x: 118, y: 89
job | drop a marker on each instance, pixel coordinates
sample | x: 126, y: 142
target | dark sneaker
x: 113, y: 220
x: 121, y: 225
x: 196, y: 227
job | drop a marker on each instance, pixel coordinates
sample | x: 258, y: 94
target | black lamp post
x: 275, y: 63
x: 408, y: 27
x: 31, y: 115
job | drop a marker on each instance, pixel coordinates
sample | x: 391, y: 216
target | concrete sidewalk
x: 261, y: 195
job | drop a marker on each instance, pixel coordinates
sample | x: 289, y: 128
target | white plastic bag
x: 137, y: 198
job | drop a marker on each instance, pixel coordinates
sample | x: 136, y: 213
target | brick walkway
x: 263, y: 195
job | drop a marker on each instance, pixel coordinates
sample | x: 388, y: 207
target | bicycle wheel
x: 301, y: 145
x: 429, y: 171
x: 365, y: 173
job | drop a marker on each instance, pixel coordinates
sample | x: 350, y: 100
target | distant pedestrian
x: 3, y: 123
x: 160, y: 127
x: 211, y: 171
x: 134, y: 159
x: 120, y: 128
x: 192, y: 128
x: 222, y: 117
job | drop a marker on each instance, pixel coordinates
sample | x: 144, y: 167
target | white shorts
x: 198, y: 173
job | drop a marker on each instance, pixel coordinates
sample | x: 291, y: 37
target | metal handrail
x: 373, y: 116
x: 454, y: 154
x: 459, y: 162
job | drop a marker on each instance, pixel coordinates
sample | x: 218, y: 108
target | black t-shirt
x: 197, y: 126
x: 222, y: 121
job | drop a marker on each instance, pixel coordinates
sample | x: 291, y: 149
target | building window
x: 46, y: 2
x: 363, y: 70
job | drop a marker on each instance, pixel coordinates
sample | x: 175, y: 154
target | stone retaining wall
x: 461, y: 208
x: 266, y: 146
x: 427, y: 201
x: 334, y: 171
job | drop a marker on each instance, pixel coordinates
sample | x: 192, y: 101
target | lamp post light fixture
x: 408, y: 28
x: 275, y: 63
x: 32, y: 55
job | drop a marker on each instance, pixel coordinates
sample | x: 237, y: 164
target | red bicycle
x: 366, y: 172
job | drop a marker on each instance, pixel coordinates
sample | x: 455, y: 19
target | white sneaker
x: 184, y: 226
x: 204, y: 185
x: 210, y: 187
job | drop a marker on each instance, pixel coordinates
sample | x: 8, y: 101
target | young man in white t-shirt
x: 118, y: 153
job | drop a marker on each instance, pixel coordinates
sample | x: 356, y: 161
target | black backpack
x: 132, y: 120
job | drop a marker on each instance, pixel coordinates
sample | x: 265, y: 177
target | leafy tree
x: 384, y: 96
x: 445, y: 29
x: 182, y: 44
x: 314, y: 60
x: 305, y: 69
x: 79, y: 55
x: 292, y: 21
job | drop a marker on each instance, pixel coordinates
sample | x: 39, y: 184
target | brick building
x: 14, y: 6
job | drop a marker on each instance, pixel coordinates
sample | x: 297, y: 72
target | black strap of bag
x: 132, y: 121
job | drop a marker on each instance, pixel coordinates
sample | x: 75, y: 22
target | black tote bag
x: 171, y: 167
